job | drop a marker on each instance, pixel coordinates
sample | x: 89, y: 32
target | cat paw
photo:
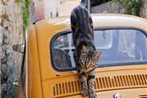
x: 92, y: 95
x: 84, y: 92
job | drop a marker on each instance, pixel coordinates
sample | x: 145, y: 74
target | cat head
x: 86, y: 60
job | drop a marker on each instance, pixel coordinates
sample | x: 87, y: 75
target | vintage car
x: 50, y: 70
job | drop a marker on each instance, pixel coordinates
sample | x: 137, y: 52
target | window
x: 118, y: 47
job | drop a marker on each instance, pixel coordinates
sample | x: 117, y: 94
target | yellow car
x: 121, y: 71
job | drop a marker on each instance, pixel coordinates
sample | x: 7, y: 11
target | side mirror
x: 18, y: 48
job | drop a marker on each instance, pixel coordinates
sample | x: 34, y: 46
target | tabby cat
x: 86, y: 54
x: 86, y: 70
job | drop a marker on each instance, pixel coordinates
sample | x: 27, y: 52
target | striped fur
x: 86, y: 54
x: 82, y: 27
x: 86, y: 71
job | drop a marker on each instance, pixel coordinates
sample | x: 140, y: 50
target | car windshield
x: 118, y: 47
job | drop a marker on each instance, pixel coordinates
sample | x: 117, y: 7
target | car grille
x: 102, y: 84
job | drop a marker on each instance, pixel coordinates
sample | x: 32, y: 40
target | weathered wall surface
x: 144, y: 9
x: 108, y: 8
x: 117, y: 8
x: 59, y: 7
x: 10, y: 34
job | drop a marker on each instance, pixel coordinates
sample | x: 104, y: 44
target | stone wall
x: 144, y: 9
x: 108, y: 8
x: 10, y: 34
x: 117, y: 8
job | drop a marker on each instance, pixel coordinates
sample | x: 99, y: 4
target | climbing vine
x: 25, y: 12
x: 131, y: 7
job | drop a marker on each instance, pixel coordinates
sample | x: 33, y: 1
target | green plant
x: 25, y: 13
x: 132, y: 7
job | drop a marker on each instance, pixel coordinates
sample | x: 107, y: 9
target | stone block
x: 1, y: 36
x: 2, y: 10
x: 5, y: 23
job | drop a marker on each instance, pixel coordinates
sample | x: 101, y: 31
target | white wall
x: 62, y: 7
x: 66, y: 7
